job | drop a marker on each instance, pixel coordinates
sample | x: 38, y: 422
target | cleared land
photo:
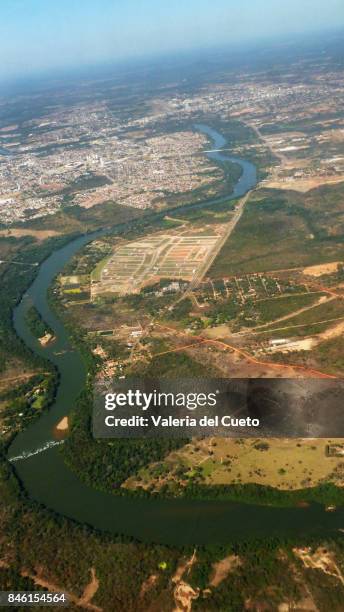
x: 282, y: 463
x: 145, y: 261
x: 38, y: 234
x: 321, y: 269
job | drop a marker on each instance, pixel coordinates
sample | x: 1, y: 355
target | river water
x: 39, y: 463
x: 5, y: 152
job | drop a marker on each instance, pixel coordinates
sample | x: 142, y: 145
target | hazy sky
x: 43, y: 34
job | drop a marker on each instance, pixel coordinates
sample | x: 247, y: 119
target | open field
x: 38, y: 234
x: 303, y: 184
x: 284, y: 463
x: 328, y: 268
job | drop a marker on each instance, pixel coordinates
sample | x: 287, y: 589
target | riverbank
x: 170, y: 521
x: 81, y: 445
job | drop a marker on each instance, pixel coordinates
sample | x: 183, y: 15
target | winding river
x: 39, y: 464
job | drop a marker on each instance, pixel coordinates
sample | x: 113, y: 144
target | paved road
x: 216, y: 250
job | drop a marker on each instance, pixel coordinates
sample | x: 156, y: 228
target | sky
x: 43, y: 35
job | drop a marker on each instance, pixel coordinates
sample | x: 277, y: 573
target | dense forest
x: 268, y: 572
x: 107, y: 464
x: 37, y: 326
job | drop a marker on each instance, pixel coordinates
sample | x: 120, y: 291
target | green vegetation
x: 263, y: 311
x: 224, y: 311
x: 25, y: 403
x: 14, y: 281
x: 313, y: 321
x: 284, y: 230
x: 180, y: 312
x: 277, y: 231
x: 88, y: 259
x: 66, y: 552
x: 233, y: 173
x: 107, y: 464
x: 330, y: 352
x: 96, y: 272
x: 227, y: 596
x: 77, y: 219
x: 174, y: 365
x: 327, y: 494
x: 147, y: 303
x: 36, y: 324
x: 243, y: 139
x: 252, y: 313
